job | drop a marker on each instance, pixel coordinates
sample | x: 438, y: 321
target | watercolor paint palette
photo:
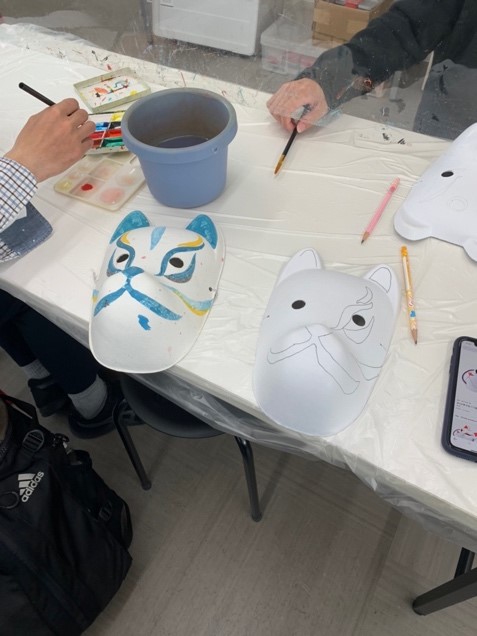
x: 105, y: 181
x: 104, y: 92
x: 108, y: 134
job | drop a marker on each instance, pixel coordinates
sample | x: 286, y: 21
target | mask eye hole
x: 298, y: 304
x: 176, y: 262
x: 358, y: 320
x: 122, y: 258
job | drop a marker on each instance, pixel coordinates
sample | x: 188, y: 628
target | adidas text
x: 27, y: 484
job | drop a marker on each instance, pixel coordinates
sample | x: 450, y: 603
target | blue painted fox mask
x: 154, y: 293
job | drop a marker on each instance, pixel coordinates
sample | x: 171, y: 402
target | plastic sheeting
x: 324, y: 196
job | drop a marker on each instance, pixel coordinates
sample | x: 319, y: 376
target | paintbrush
x: 291, y: 139
x: 47, y: 100
x: 285, y: 151
x: 34, y: 93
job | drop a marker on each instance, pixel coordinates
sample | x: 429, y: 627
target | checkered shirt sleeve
x: 17, y: 187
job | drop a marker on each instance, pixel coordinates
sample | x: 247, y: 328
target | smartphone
x: 459, y: 434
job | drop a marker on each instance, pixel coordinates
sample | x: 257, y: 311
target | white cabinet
x: 233, y: 25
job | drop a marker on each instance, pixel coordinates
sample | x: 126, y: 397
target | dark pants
x: 448, y: 103
x: 27, y: 336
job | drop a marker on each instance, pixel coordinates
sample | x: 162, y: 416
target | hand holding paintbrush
x: 302, y: 96
x: 54, y: 139
x: 289, y: 100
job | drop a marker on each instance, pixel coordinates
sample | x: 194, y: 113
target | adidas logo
x: 27, y: 482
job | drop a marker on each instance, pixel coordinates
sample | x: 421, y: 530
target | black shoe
x: 101, y: 423
x: 49, y: 397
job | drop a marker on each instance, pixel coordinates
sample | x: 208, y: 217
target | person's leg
x: 12, y: 342
x: 49, y: 398
x: 10, y: 338
x: 447, y: 105
x: 70, y: 364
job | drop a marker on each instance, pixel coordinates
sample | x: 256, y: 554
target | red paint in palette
x: 87, y: 186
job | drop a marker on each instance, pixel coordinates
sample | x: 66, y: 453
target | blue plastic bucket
x: 181, y: 138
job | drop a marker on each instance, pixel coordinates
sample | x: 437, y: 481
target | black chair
x: 142, y: 405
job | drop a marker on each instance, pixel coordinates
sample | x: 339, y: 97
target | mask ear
x: 131, y: 221
x: 204, y: 226
x: 384, y: 276
x: 304, y: 260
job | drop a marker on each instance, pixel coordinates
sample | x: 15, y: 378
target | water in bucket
x: 182, y: 141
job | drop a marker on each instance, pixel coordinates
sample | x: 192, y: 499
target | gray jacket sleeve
x: 398, y: 39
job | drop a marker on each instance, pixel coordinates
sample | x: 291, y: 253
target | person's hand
x: 53, y: 140
x: 291, y: 97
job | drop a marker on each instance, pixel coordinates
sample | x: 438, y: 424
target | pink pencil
x: 380, y: 209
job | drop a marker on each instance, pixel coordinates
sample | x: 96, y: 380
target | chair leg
x: 249, y: 466
x: 129, y: 445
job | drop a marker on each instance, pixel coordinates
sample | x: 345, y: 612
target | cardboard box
x: 326, y: 41
x: 340, y: 22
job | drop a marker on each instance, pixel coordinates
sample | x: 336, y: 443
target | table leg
x: 462, y: 587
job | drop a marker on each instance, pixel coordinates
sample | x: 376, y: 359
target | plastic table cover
x: 324, y: 196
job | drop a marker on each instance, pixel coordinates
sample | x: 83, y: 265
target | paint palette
x: 105, y: 92
x: 105, y: 181
x: 108, y: 135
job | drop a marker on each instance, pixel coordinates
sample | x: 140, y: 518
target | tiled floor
x: 329, y: 557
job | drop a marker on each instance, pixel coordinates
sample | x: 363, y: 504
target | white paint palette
x: 104, y: 92
x: 106, y: 181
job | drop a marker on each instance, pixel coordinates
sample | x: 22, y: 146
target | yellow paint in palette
x: 106, y: 181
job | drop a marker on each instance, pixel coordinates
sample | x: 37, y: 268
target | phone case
x: 450, y: 399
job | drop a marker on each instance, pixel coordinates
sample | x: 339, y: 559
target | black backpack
x: 63, y: 533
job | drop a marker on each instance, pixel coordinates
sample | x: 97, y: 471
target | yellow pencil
x: 409, y: 294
